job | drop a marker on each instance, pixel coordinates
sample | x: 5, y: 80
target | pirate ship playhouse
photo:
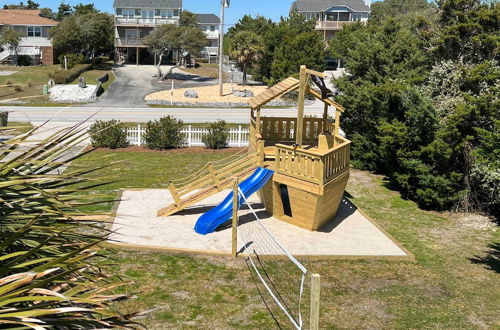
x: 309, y: 157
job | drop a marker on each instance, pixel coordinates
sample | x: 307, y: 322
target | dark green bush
x: 164, y: 134
x: 217, y: 136
x: 24, y: 60
x: 108, y: 134
x: 67, y: 76
x: 73, y: 60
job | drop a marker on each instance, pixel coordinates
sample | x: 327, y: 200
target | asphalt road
x: 144, y: 114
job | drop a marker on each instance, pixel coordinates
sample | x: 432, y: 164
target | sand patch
x: 206, y: 94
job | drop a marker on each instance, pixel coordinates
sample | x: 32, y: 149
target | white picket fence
x: 238, y: 137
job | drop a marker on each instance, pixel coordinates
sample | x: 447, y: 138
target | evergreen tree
x: 81, y: 9
x: 64, y: 10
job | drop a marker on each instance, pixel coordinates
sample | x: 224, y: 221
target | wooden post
x: 325, y: 117
x: 257, y: 122
x: 234, y: 250
x: 214, y: 176
x: 315, y: 298
x: 175, y: 195
x: 262, y: 155
x: 337, y: 122
x: 302, y: 96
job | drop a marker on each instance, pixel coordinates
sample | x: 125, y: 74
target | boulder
x: 249, y: 93
x: 82, y: 83
x: 243, y: 93
x: 190, y: 93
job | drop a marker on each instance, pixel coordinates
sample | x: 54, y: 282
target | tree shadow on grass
x: 492, y: 260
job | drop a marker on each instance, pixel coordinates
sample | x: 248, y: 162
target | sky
x: 273, y: 9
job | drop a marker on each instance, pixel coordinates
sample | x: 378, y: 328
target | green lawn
x: 209, y: 70
x: 16, y: 128
x: 452, y: 285
x: 27, y: 82
x: 29, y: 79
x: 92, y: 76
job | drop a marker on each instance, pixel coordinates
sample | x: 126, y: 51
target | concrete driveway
x: 134, y: 82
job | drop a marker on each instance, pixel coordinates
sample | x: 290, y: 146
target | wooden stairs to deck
x: 212, y: 179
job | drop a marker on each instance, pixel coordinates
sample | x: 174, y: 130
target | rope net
x: 279, y: 277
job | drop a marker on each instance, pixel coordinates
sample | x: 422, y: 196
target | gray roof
x: 322, y: 5
x: 147, y: 4
x: 208, y: 19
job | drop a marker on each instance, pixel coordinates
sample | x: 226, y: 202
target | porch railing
x: 129, y: 41
x: 332, y: 25
x: 313, y: 166
x: 144, y: 21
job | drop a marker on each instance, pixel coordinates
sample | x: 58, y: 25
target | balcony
x: 211, y: 51
x: 139, y: 21
x: 332, y: 25
x: 129, y: 42
x: 212, y: 34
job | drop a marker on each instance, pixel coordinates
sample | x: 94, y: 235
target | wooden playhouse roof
x: 267, y: 96
x: 287, y: 85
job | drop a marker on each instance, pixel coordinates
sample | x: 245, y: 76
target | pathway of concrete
x: 133, y: 83
x: 349, y: 234
x: 45, y: 131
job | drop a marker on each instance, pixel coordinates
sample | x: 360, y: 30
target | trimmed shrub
x: 108, y: 134
x: 164, y: 134
x: 67, y: 76
x: 73, y: 60
x: 217, y: 136
x: 24, y: 60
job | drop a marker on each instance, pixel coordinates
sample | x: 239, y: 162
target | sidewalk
x: 46, y: 131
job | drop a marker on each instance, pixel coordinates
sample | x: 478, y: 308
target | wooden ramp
x: 209, y: 180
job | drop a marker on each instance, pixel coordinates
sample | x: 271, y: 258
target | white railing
x: 238, y: 137
x: 145, y: 21
x: 212, y: 51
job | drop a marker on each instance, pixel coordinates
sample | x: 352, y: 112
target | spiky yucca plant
x: 50, y: 263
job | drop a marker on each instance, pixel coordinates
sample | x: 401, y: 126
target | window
x: 212, y: 28
x: 34, y: 31
x: 128, y: 12
x: 344, y: 17
x: 204, y: 28
x: 312, y: 16
x: 166, y: 13
x: 285, y: 200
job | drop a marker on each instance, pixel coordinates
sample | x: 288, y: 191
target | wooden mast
x: 300, y: 115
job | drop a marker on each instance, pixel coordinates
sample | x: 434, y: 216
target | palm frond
x: 50, y: 266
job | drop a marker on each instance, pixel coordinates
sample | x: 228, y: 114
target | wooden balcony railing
x: 332, y: 25
x: 313, y: 166
x: 129, y: 41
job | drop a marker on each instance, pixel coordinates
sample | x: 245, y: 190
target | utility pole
x: 223, y: 4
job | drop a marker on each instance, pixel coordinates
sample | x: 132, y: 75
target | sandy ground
x: 206, y: 94
x: 350, y: 234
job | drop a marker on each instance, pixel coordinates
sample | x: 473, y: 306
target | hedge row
x: 162, y: 134
x: 65, y: 77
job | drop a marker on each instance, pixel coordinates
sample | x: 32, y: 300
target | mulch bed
x: 192, y: 150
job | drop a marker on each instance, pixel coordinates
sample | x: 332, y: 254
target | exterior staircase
x: 5, y: 55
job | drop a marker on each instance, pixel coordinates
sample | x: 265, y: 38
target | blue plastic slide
x: 209, y: 221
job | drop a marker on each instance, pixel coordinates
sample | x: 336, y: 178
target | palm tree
x: 246, y: 47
